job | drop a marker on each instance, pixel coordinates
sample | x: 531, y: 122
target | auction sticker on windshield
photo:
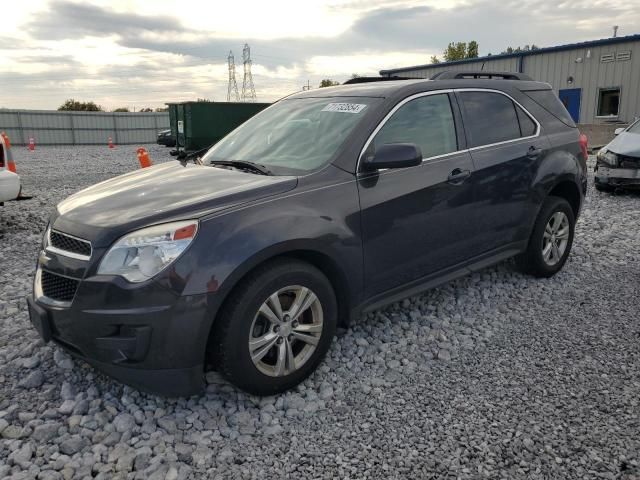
x: 344, y: 107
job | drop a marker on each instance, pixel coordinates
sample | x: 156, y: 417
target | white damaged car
x: 618, y: 163
x: 9, y: 181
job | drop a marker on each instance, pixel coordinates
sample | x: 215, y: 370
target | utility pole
x: 248, y: 90
x: 306, y: 87
x: 233, y: 86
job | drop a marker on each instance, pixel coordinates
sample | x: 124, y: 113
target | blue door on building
x: 570, y: 98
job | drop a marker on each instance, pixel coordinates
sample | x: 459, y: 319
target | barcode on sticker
x: 344, y: 107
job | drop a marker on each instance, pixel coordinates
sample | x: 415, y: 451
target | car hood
x: 626, y: 143
x: 165, y: 192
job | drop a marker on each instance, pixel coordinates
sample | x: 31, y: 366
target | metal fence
x: 49, y: 127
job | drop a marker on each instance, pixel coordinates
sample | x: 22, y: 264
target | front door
x: 570, y: 98
x: 417, y: 220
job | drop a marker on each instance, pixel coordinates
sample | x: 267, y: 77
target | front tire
x: 551, y: 239
x: 276, y: 327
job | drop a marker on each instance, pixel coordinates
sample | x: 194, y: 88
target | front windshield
x: 635, y: 128
x: 294, y: 136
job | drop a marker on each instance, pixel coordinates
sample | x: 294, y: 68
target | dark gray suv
x: 328, y: 203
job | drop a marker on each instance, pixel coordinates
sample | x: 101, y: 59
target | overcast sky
x: 139, y: 53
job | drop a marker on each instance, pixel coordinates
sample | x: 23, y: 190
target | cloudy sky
x: 139, y: 53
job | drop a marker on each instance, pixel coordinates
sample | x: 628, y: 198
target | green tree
x: 472, y: 49
x: 145, y: 110
x: 122, y: 109
x: 460, y: 51
x: 518, y: 49
x: 328, y: 83
x: 72, y: 105
x: 434, y: 59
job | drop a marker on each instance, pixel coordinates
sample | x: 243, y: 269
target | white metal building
x: 598, y: 81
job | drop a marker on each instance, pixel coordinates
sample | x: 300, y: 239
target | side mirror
x: 618, y: 131
x: 393, y: 155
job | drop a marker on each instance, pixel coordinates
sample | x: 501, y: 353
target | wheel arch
x: 568, y: 190
x: 320, y: 259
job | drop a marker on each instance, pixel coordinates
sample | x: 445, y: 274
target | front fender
x: 324, y: 221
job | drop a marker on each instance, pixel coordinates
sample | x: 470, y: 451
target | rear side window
x: 552, y: 104
x: 489, y: 118
x: 426, y: 121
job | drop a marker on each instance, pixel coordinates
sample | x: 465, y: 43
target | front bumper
x: 617, y: 177
x: 151, y: 339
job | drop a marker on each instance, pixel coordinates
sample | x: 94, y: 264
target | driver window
x: 426, y: 121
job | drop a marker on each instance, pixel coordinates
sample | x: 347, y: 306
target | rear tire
x: 276, y: 327
x: 551, y: 239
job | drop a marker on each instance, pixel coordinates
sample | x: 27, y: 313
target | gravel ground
x: 495, y: 375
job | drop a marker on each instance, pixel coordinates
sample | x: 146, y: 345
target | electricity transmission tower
x: 248, y: 91
x: 233, y: 86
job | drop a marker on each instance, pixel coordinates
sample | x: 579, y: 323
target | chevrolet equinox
x: 329, y: 203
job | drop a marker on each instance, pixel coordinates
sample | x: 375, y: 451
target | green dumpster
x: 198, y: 125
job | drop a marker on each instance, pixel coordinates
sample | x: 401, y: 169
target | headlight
x: 45, y: 237
x: 608, y: 157
x: 142, y: 254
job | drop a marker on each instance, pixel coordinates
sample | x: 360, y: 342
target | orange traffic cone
x: 111, y: 143
x: 32, y: 144
x: 11, y: 164
x: 143, y: 158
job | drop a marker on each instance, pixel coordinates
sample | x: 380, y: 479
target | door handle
x: 533, y: 152
x: 457, y: 176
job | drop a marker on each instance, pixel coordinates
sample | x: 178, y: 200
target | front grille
x: 69, y: 244
x: 57, y: 287
x: 628, y: 162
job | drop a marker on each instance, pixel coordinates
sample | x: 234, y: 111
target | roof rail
x: 351, y: 81
x: 451, y: 75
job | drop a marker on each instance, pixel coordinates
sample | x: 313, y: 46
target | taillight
x: 583, y: 146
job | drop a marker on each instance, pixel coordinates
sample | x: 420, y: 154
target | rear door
x: 416, y: 221
x: 506, y: 145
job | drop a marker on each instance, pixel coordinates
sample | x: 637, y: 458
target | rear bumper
x: 158, y: 349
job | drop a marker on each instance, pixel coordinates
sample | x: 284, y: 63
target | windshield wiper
x: 244, y: 165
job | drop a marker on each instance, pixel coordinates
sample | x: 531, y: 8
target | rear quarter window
x: 489, y: 118
x: 552, y: 104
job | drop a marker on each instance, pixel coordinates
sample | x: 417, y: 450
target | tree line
x: 463, y: 50
x: 72, y: 105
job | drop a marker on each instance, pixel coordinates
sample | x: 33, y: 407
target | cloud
x: 495, y: 25
x: 68, y: 20
x: 86, y: 50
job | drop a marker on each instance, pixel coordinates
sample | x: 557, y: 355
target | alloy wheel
x: 285, y: 331
x: 555, y: 238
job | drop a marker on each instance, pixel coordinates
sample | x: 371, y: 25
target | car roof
x: 384, y: 89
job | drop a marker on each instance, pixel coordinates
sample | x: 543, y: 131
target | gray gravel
x: 495, y: 375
